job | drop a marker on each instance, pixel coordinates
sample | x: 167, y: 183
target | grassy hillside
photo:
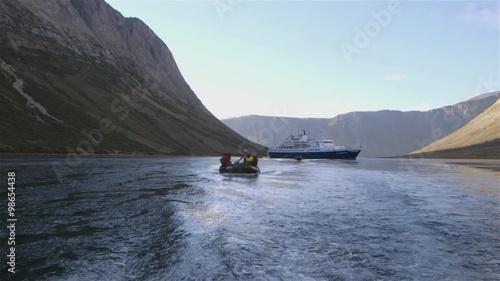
x: 480, y: 138
x: 486, y: 150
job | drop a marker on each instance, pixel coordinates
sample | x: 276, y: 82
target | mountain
x: 76, y: 76
x: 480, y: 138
x: 380, y: 133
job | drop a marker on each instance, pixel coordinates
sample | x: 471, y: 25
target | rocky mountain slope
x: 480, y: 138
x: 76, y: 76
x: 380, y: 133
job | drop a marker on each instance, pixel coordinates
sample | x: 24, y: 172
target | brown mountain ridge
x: 383, y: 133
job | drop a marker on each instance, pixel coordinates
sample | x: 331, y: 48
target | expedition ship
x: 300, y: 147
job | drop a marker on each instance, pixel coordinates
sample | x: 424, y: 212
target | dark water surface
x: 178, y: 219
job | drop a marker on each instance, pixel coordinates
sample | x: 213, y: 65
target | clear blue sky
x: 324, y: 58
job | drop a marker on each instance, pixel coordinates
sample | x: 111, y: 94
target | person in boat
x: 243, y: 156
x: 225, y: 160
x: 228, y: 159
x: 252, y: 159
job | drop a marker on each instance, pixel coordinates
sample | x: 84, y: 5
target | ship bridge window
x: 327, y: 144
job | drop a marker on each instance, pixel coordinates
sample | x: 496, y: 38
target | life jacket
x: 251, y: 160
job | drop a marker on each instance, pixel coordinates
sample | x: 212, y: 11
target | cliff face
x: 480, y: 138
x: 76, y: 74
x: 380, y: 133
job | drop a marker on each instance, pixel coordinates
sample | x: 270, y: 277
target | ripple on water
x: 178, y: 219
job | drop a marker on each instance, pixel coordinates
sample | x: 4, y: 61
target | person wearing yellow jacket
x: 248, y: 158
x: 251, y: 159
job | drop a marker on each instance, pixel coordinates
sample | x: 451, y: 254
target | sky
x: 324, y: 58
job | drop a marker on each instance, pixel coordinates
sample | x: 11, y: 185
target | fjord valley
x: 388, y: 133
x: 78, y: 77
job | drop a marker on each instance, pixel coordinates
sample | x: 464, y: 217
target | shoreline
x: 486, y: 164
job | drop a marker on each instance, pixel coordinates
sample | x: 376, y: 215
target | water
x: 178, y: 219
